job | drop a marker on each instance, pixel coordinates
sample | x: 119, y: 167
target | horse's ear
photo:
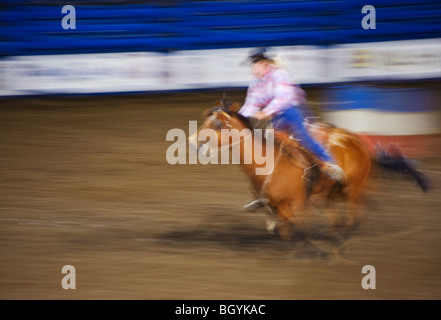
x: 234, y: 108
x: 219, y: 103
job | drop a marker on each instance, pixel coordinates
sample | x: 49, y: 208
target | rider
x: 273, y: 95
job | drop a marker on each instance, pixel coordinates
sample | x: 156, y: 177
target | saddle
x: 302, y: 157
x: 319, y: 131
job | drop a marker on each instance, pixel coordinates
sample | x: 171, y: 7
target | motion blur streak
x: 85, y: 182
x: 84, y: 114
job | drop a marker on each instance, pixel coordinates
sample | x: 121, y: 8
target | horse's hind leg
x: 353, y: 209
x: 332, y: 208
x: 333, y: 213
x: 354, y: 194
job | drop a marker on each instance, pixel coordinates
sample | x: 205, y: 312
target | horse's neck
x: 253, y: 145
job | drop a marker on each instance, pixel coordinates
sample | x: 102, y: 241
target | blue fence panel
x: 29, y: 28
x: 384, y: 99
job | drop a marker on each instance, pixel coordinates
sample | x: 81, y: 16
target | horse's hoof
x: 254, y: 206
x: 271, y: 225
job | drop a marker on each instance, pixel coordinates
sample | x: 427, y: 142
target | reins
x: 269, y: 176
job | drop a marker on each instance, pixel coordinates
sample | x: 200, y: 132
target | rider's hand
x: 261, y: 115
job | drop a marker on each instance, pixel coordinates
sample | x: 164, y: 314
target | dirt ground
x: 85, y: 182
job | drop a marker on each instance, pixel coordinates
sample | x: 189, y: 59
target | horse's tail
x: 393, y: 160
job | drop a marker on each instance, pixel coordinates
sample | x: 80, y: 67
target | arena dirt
x: 85, y: 182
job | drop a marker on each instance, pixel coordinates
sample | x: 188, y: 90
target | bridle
x: 218, y: 127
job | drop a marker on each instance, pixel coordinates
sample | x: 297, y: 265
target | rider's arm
x: 285, y: 94
x: 252, y: 103
x: 248, y: 109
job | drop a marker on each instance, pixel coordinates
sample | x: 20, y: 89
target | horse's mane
x: 244, y: 120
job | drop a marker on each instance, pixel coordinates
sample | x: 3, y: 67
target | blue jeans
x: 291, y: 121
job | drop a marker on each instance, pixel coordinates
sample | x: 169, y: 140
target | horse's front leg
x: 286, y: 218
x: 272, y: 220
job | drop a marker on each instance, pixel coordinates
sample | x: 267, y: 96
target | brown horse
x: 294, y: 174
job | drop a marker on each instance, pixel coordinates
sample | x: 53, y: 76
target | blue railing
x: 28, y: 29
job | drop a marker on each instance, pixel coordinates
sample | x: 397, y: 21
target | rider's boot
x: 334, y: 172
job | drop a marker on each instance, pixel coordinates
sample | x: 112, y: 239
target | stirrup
x: 254, y: 206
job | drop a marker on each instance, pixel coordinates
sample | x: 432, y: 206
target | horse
x: 295, y: 175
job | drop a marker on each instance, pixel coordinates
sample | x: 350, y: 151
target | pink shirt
x: 273, y: 93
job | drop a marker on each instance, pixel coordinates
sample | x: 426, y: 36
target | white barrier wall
x: 147, y: 71
x: 385, y: 116
x: 416, y: 59
x: 385, y: 123
x: 130, y: 72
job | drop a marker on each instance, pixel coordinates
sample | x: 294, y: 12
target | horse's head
x: 217, y: 118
